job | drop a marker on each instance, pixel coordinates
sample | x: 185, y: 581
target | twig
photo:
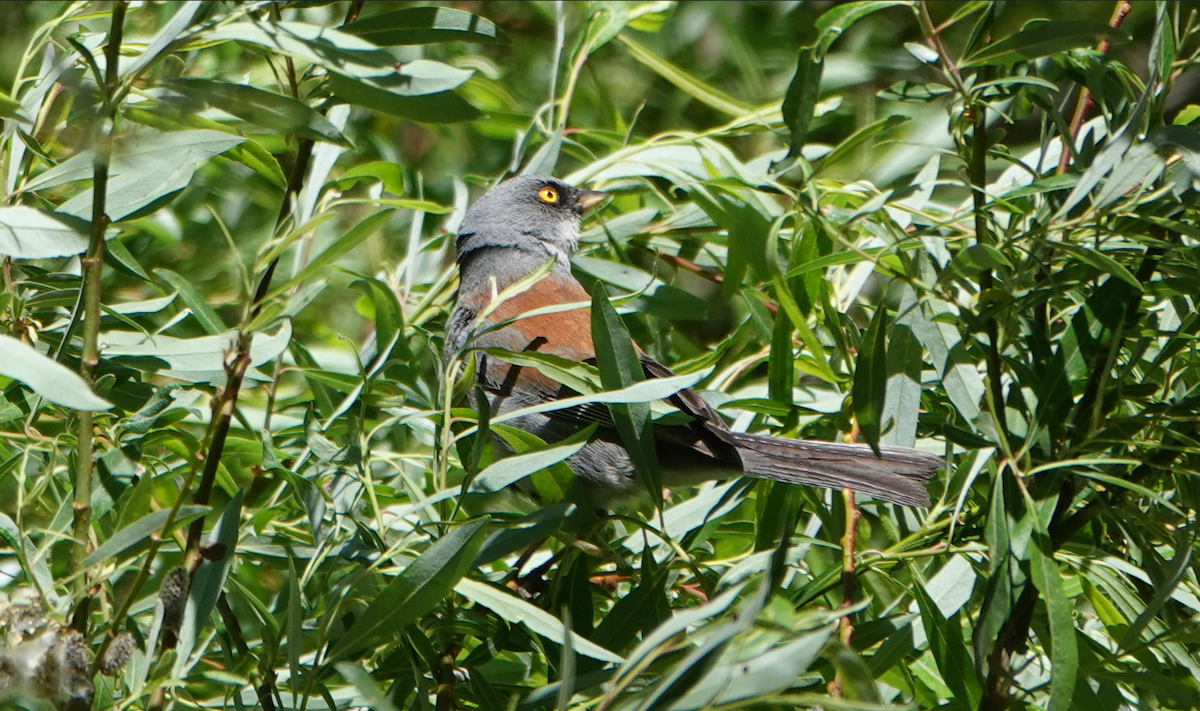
x: 93, y: 271
x: 1084, y: 104
x: 983, y: 235
x: 690, y: 266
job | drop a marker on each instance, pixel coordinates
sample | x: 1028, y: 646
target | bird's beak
x: 587, y: 199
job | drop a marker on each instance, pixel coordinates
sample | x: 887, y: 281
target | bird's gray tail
x: 898, y: 475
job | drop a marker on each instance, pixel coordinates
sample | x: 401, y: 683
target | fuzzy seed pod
x: 117, y: 654
x: 173, y: 596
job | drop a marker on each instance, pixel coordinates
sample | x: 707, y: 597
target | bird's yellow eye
x: 548, y: 194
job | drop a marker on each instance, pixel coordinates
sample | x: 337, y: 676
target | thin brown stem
x: 1084, y: 104
x: 934, y: 40
x: 690, y: 266
x: 849, y: 581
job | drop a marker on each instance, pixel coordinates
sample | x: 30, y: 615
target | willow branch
x: 93, y: 271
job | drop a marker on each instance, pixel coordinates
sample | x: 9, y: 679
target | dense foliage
x: 234, y: 471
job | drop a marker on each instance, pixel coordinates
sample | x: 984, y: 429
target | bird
x: 532, y: 222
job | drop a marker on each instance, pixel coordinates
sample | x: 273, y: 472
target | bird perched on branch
x: 528, y: 222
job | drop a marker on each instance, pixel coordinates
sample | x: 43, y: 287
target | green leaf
x: 368, y: 690
x: 209, y: 580
x: 353, y: 237
x: 339, y: 52
x: 512, y: 469
x: 26, y: 233
x: 800, y: 99
x: 580, y: 377
x: 854, y: 141
x: 902, y: 399
x: 197, y: 359
x: 1040, y: 38
x: 10, y: 109
x: 144, y: 169
x: 262, y: 108
x: 949, y: 651
x: 426, y: 25
x: 386, y: 172
x: 768, y: 673
x: 658, y: 298
x: 413, y: 593
x: 195, y: 301
x: 620, y: 367
x: 1104, y: 263
x: 162, y: 39
x: 685, y: 82
x: 140, y: 531
x: 709, y: 504
x: 781, y: 366
x: 250, y: 154
x: 46, y: 377
x: 523, y: 533
x: 443, y: 107
x: 836, y: 20
x: 389, y: 319
x: 646, y: 391
x: 870, y: 379
x: 544, y: 161
x: 518, y: 612
x: 1064, y: 654
x: 1187, y: 115
x: 605, y: 20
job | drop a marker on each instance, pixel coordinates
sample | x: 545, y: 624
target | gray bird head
x: 534, y: 213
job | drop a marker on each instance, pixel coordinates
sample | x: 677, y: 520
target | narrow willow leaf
x: 769, y: 673
x: 10, y: 109
x: 389, y: 319
x: 854, y: 141
x: 426, y: 25
x: 1064, y: 653
x: 837, y: 19
x: 516, y: 611
x: 902, y: 399
x: 209, y: 581
x: 145, y: 168
x: 523, y: 533
x: 263, y: 108
x: 679, y: 623
x: 687, y: 83
x: 781, y: 366
x: 421, y: 586
x: 194, y: 356
x: 512, y: 469
x: 170, y: 32
x: 26, y: 233
x: 440, y: 107
x: 353, y: 237
x: 686, y: 674
x: 1040, y: 38
x: 605, y: 21
x: 620, y: 367
x: 195, y: 301
x: 368, y: 690
x: 139, y: 532
x: 949, y: 651
x: 801, y: 98
x: 44, y: 376
x: 544, y: 161
x: 337, y: 51
x: 870, y: 379
x: 250, y: 154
